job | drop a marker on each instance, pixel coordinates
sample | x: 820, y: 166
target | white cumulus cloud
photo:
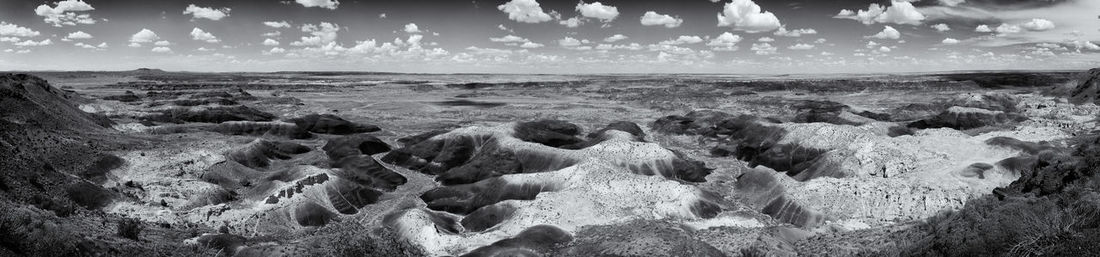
x: 801, y: 47
x: 208, y: 13
x: 64, y: 13
x: 763, y: 48
x: 783, y: 32
x: 899, y: 12
x: 887, y: 33
x: 950, y: 41
x: 78, y: 35
x: 526, y: 11
x: 1006, y: 28
x: 12, y: 30
x: 598, y: 10
x: 509, y: 39
x: 1038, y: 25
x: 143, y: 36
x: 198, y: 34
x: 652, y: 18
x: 270, y: 42
x: 682, y: 40
x: 277, y: 24
x: 941, y: 27
x: 531, y: 45
x: 162, y: 49
x: 746, y: 15
x: 615, y: 38
x: 724, y: 42
x: 983, y: 28
x: 412, y: 28
x: 322, y: 34
x: 327, y: 4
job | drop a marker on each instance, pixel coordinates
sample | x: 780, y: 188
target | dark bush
x: 130, y: 228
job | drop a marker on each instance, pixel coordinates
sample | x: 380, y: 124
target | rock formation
x: 500, y: 181
x: 1088, y: 89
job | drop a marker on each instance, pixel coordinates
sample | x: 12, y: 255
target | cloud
x: 87, y: 46
x: 198, y: 34
x: 801, y: 47
x: 531, y: 45
x: 597, y: 10
x: 162, y: 43
x: 615, y: 38
x: 900, y: 12
x: 277, y: 24
x: 763, y: 49
x: 941, y: 27
x: 208, y: 13
x: 887, y: 33
x: 143, y: 36
x: 275, y: 50
x: 652, y: 18
x: 783, y: 32
x: 724, y: 42
x: 44, y: 42
x: 509, y: 39
x: 572, y: 22
x: 162, y: 49
x: 64, y: 13
x: 78, y: 35
x: 1085, y: 45
x: 412, y: 28
x: 1006, y: 28
x: 1038, y: 25
x: 746, y: 15
x: 327, y: 4
x: 270, y: 42
x: 950, y: 41
x: 526, y: 11
x: 12, y: 30
x: 983, y: 28
x: 322, y: 34
x: 765, y: 39
x: 884, y: 49
x: 569, y: 42
x: 682, y: 40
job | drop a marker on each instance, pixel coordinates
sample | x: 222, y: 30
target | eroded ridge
x: 501, y: 181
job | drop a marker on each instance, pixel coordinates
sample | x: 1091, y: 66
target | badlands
x: 155, y: 163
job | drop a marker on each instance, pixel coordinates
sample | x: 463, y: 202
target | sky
x: 543, y: 36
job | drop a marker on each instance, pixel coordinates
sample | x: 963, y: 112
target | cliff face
x: 1089, y: 89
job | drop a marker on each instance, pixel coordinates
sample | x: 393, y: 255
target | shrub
x: 130, y: 228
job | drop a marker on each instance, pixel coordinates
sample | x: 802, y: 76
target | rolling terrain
x: 155, y: 163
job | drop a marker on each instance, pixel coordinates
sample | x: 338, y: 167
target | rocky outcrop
x: 126, y: 97
x: 1088, y: 89
x: 963, y: 118
x: 497, y: 184
x: 535, y: 241
x: 700, y: 122
x: 253, y: 128
x: 331, y: 124
x: 210, y: 115
x: 341, y: 147
x: 259, y: 153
